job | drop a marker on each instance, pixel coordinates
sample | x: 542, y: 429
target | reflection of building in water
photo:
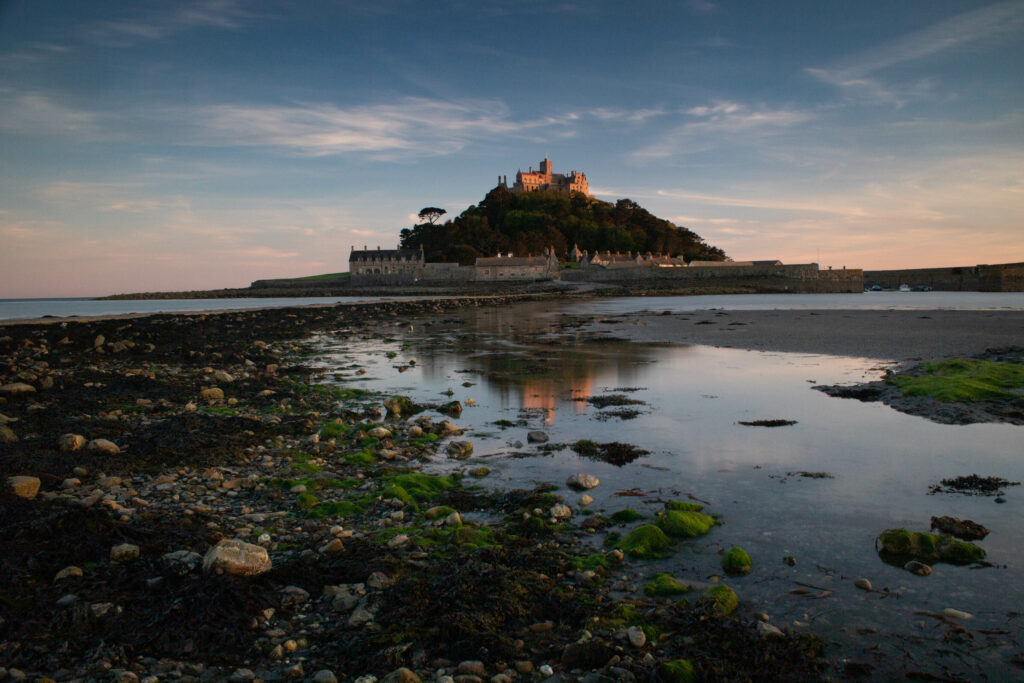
x: 543, y: 394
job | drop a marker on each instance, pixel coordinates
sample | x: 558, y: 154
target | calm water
x: 16, y: 309
x: 37, y: 308
x: 527, y: 366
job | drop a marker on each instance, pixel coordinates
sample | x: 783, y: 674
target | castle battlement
x: 547, y: 181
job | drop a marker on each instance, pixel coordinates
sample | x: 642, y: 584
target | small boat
x: 904, y: 288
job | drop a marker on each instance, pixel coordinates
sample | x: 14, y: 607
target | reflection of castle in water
x: 529, y: 363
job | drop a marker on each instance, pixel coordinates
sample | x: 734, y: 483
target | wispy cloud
x: 628, y: 115
x: 222, y: 14
x: 411, y: 127
x: 720, y: 121
x: 987, y: 24
x: 37, y: 114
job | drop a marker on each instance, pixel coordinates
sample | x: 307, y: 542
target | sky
x: 200, y: 144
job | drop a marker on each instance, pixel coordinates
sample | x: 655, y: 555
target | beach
x: 151, y: 453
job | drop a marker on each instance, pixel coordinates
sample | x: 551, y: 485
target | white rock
x: 398, y: 541
x: 103, y: 446
x: 23, y: 487
x: 222, y: 376
x: 560, y: 511
x: 71, y: 442
x: 237, y: 557
x: 766, y: 630
x: 586, y: 500
x: 379, y: 433
x: 583, y: 481
x: 636, y: 635
x: 957, y: 614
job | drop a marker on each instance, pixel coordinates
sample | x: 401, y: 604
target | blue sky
x: 192, y: 145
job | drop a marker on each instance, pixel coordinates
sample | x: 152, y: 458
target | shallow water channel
x: 533, y: 367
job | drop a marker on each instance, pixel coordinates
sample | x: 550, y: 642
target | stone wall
x: 1004, y: 277
x: 806, y: 278
x: 447, y: 272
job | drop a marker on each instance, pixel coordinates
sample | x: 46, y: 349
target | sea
x: 27, y: 309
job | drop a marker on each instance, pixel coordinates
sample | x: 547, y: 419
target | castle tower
x: 545, y: 166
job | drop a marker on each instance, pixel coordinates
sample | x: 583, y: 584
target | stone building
x: 508, y: 268
x: 390, y: 266
x: 628, y: 260
x: 546, y: 180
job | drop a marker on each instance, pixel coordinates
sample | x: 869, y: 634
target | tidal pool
x: 526, y: 368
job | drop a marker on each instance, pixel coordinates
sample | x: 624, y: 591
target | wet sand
x: 903, y: 336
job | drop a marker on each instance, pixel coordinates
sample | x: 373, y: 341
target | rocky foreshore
x: 183, y: 501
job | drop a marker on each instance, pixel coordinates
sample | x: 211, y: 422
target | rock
x: 957, y: 614
x: 452, y: 408
x: 919, y: 568
x: 237, y: 557
x: 222, y: 376
x: 181, y: 562
x: 23, y: 486
x: 103, y: 446
x: 479, y: 472
x: 212, y: 394
x: 378, y: 581
x: 71, y: 571
x: 636, y: 635
x: 17, y: 389
x: 415, y: 432
x: 736, y: 562
x: 586, y: 500
x: 332, y: 547
x: 360, y: 617
x: 537, y: 437
x: 71, y: 442
x: 582, y: 481
x: 472, y: 667
x: 560, y: 511
x: 379, y: 433
x: 7, y: 434
x: 524, y: 666
x: 67, y: 600
x: 460, y: 450
x: 402, y: 675
x: 398, y: 541
x: 124, y: 552
x: 99, y: 341
x: 325, y: 676
x: 963, y: 529
x: 862, y: 584
x: 766, y: 630
x: 293, y: 595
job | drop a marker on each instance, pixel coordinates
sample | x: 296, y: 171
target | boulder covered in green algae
x: 685, y: 524
x: 666, y: 584
x: 679, y: 671
x: 721, y: 599
x: 683, y: 506
x: 645, y: 541
x: 928, y: 548
x: 736, y: 562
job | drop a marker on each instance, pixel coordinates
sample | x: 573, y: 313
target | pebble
x: 237, y: 557
x: 919, y: 568
x: 472, y: 667
x: 7, y: 434
x: 124, y: 552
x: 546, y: 670
x: 67, y: 573
x: 379, y: 433
x: 586, y: 500
x: 863, y: 584
x: 583, y: 481
x: 103, y: 446
x: 325, y: 676
x: 17, y: 389
x: 23, y: 486
x: 636, y: 635
x: 766, y: 630
x: 537, y: 437
x: 957, y: 614
x: 561, y: 511
x: 398, y: 541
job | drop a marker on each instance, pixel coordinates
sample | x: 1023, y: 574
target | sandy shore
x: 904, y: 336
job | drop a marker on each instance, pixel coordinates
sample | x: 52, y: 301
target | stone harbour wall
x: 800, y: 278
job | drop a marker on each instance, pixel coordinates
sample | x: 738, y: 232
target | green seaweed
x: 964, y: 380
x: 683, y: 506
x: 721, y: 599
x: 679, y: 671
x: 360, y: 458
x: 736, y: 562
x: 422, y: 487
x: 645, y: 541
x: 900, y: 544
x: 685, y: 524
x: 590, y: 562
x: 666, y: 584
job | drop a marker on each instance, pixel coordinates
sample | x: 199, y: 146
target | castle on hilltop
x: 547, y: 181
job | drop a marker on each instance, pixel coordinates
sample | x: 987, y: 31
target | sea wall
x: 1002, y: 277
x: 802, y: 278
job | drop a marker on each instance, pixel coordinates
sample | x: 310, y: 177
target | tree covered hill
x: 528, y: 222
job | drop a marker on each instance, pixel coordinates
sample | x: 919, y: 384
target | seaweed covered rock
x: 679, y: 671
x: 736, y: 562
x: 666, y: 584
x: 683, y: 506
x: 964, y: 529
x: 900, y: 544
x: 645, y: 541
x: 685, y: 524
x: 721, y: 599
x: 401, y: 406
